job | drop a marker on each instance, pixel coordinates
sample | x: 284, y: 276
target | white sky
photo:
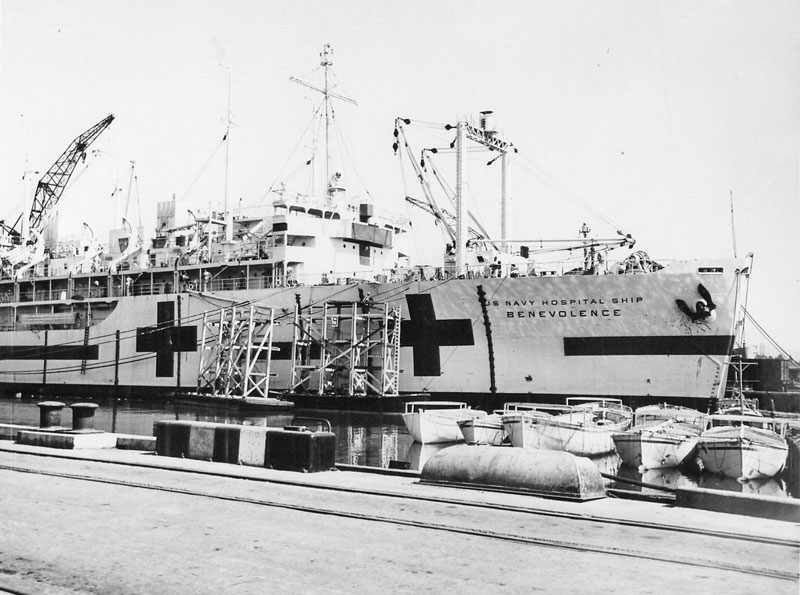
x: 651, y: 112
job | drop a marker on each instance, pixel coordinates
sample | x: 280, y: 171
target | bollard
x: 50, y: 415
x: 83, y: 416
x: 299, y: 450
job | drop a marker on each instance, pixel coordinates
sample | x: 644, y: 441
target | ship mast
x: 326, y: 61
x: 485, y: 135
x: 461, y: 220
x: 227, y: 207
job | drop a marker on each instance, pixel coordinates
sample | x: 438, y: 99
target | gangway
x: 346, y: 348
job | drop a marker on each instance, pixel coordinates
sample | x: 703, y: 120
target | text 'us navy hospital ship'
x: 318, y: 295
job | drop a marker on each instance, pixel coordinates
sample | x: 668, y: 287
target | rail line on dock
x: 665, y: 557
x: 794, y: 543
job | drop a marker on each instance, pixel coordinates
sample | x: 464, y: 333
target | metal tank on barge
x: 319, y: 297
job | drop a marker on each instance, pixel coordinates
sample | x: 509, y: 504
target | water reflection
x: 364, y: 439
x: 607, y: 463
x: 418, y: 454
x: 675, y: 478
x: 765, y: 486
x: 372, y: 444
x: 654, y: 479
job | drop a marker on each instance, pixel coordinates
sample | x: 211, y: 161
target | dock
x: 128, y: 521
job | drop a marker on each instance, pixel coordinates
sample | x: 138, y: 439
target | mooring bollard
x: 50, y: 414
x: 83, y: 415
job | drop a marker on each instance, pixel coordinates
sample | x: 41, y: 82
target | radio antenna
x: 733, y: 228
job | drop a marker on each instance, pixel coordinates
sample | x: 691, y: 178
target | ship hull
x: 574, y: 438
x: 654, y: 450
x: 483, y: 430
x: 527, y: 338
x: 438, y: 426
x: 742, y: 452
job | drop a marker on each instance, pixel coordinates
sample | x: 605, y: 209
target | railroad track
x: 673, y: 557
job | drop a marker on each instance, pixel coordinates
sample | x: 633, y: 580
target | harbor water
x: 369, y: 439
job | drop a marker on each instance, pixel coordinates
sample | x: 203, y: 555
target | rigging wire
x: 346, y: 150
x: 293, y: 151
x: 428, y: 163
x: 539, y: 173
x: 560, y: 188
x: 769, y: 338
x: 205, y: 166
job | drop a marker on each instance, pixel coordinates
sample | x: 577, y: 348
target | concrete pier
x: 120, y: 522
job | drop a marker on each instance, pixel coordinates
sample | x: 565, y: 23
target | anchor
x: 704, y: 308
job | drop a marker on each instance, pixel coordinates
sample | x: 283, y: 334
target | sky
x: 654, y: 117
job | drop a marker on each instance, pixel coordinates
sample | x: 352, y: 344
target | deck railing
x: 203, y: 280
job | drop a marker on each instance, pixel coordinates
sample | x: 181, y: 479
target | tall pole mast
x: 484, y: 135
x: 326, y: 62
x: 733, y: 228
x: 227, y: 207
x: 461, y: 219
x: 505, y: 198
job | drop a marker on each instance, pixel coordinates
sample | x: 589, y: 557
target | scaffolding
x: 235, y: 352
x: 346, y: 348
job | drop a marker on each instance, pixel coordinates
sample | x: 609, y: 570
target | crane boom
x: 52, y: 184
x: 446, y: 217
x: 11, y: 231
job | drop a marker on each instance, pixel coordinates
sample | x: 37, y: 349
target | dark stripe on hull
x: 483, y: 400
x: 658, y: 345
x: 50, y: 352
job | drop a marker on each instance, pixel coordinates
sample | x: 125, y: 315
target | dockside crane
x: 48, y: 192
x: 51, y: 186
